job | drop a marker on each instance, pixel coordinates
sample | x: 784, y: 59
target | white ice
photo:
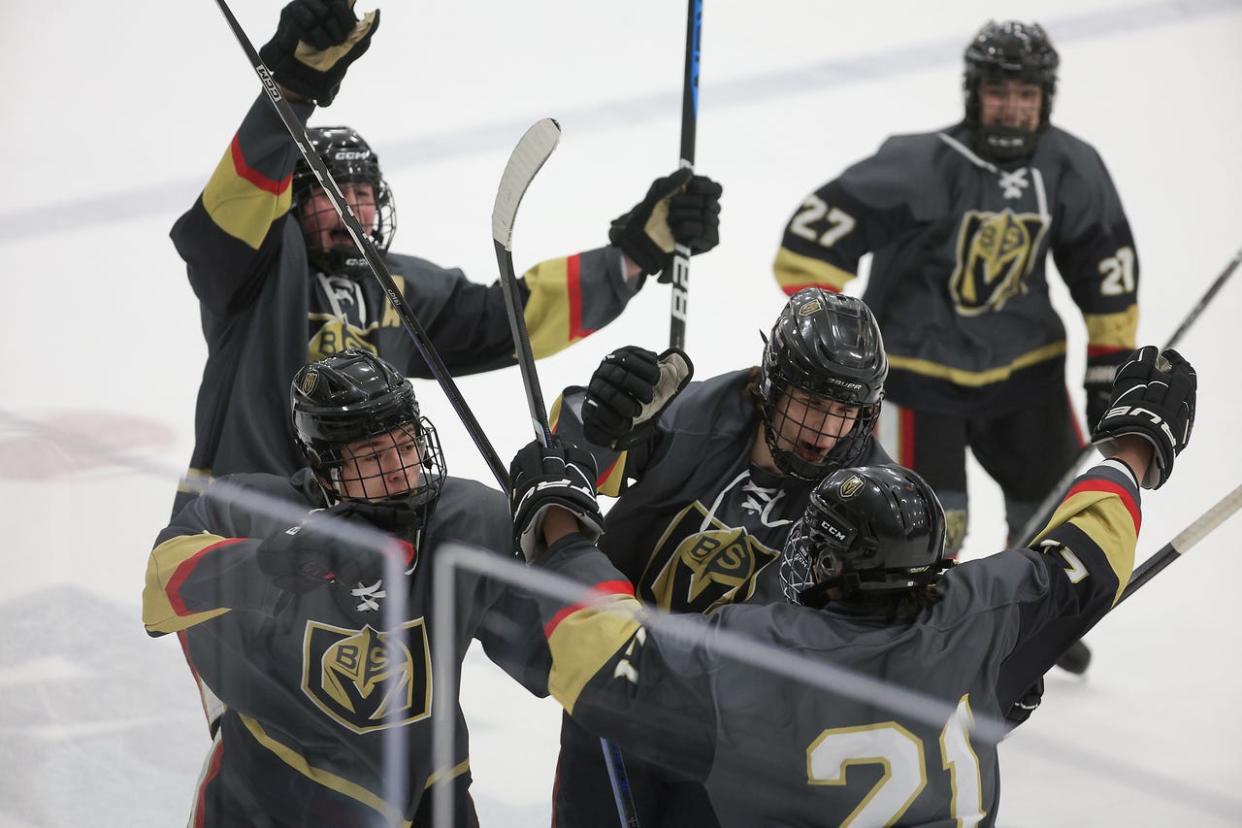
x: 116, y: 113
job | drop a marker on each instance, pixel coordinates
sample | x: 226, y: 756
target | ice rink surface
x: 117, y: 113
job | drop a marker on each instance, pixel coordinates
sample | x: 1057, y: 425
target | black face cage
x: 402, y: 465
x: 851, y: 439
x: 343, y: 257
x: 795, y: 569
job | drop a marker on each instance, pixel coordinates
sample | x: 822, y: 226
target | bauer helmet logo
x: 366, y: 680
x: 851, y: 486
x: 309, y: 380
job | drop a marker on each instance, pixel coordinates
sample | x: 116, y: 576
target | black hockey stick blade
x: 1185, y: 540
x: 422, y: 342
x: 1044, y: 513
x: 528, y: 157
x: 680, y: 298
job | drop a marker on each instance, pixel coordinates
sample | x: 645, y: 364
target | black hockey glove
x: 1022, y: 709
x: 314, y: 44
x: 628, y: 392
x: 681, y: 208
x: 1154, y: 398
x: 1101, y: 371
x: 541, y: 478
x: 337, y: 544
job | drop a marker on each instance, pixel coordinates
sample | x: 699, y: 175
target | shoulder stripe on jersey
x: 252, y: 175
x: 603, y: 589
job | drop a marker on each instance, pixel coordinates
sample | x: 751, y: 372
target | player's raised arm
x: 233, y: 232
x: 608, y: 670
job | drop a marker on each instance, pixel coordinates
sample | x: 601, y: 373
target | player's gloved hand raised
x: 542, y: 477
x: 1098, y: 383
x: 338, y: 544
x: 314, y: 44
x: 681, y: 208
x: 628, y: 392
x: 1153, y: 398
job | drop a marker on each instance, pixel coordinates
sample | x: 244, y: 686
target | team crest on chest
x: 358, y: 676
x: 995, y: 253
x: 696, y: 567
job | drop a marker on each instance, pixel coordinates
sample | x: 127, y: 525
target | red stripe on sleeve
x: 173, y: 590
x: 1110, y: 487
x: 905, y: 443
x: 601, y: 590
x: 1102, y: 350
x: 255, y: 177
x: 1073, y: 417
x: 573, y: 277
x: 599, y: 481
x: 790, y: 290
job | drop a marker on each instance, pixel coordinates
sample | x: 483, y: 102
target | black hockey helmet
x: 868, y: 530
x: 350, y: 160
x: 1015, y: 51
x: 358, y: 425
x: 828, y: 347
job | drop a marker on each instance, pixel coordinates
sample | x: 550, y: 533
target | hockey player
x: 279, y: 279
x: 710, y: 476
x: 869, y: 596
x: 286, y: 626
x: 960, y: 222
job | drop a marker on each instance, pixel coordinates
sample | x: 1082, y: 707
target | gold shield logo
x: 851, y: 486
x: 995, y: 253
x: 810, y: 307
x: 360, y: 678
x: 703, y: 568
x: 309, y: 380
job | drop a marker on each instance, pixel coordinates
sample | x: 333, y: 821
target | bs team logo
x: 358, y: 676
x: 697, y: 567
x: 995, y: 252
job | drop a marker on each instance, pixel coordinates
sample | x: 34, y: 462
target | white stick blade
x: 528, y: 157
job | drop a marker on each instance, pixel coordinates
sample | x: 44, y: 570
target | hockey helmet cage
x: 350, y: 160
x: 358, y: 424
x: 1009, y: 50
x: 865, y: 530
x: 829, y: 346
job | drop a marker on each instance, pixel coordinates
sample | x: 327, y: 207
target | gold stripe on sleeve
x: 547, y: 310
x: 238, y: 207
x: 158, y: 613
x: 794, y: 271
x: 1113, y: 330
x: 1105, y: 519
x: 584, y: 642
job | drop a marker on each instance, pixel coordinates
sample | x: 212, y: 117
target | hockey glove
x: 541, y: 478
x: 314, y: 44
x: 336, y: 544
x: 629, y: 391
x: 1101, y: 370
x: 1154, y: 398
x: 681, y: 208
x: 1022, y: 709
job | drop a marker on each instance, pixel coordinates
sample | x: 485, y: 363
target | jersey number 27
x: 813, y: 210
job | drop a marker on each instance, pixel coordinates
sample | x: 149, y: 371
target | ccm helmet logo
x: 351, y: 155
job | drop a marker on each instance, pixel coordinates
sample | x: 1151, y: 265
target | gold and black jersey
x: 312, y: 683
x: 957, y: 280
x: 772, y: 749
x: 265, y: 312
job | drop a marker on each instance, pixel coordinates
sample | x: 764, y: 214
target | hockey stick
x: 529, y: 156
x: 689, y: 120
x: 1185, y: 540
x: 422, y: 342
x: 1044, y: 513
